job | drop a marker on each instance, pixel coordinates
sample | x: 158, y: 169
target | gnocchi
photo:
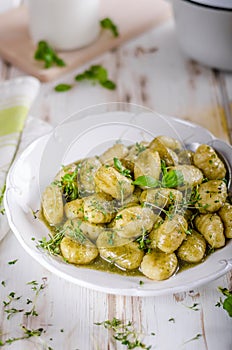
x: 143, y: 208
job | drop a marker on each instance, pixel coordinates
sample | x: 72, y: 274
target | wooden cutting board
x: 132, y: 17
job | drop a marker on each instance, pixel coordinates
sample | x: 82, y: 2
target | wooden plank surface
x: 131, y: 17
x: 151, y: 71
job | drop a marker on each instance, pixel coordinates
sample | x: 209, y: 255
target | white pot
x: 64, y: 24
x: 204, y: 29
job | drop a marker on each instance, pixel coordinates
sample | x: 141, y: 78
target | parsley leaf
x: 107, y: 23
x: 97, y: 74
x: 44, y: 52
x: 62, y: 87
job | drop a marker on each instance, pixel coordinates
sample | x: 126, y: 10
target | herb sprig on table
x: 96, y: 74
x: 47, y: 54
x: 125, y: 333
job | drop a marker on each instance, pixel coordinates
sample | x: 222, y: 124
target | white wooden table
x: 150, y: 71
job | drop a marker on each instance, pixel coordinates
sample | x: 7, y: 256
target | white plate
x: 77, y: 138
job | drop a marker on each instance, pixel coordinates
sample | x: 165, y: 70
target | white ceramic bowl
x: 204, y: 29
x: 88, y: 134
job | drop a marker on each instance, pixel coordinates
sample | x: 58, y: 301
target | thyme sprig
x: 125, y: 333
x: 10, y: 311
x: 52, y: 245
x: 27, y: 333
x: 37, y: 288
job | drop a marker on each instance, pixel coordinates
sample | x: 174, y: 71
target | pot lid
x: 222, y: 4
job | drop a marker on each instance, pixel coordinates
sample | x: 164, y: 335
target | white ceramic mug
x: 64, y: 24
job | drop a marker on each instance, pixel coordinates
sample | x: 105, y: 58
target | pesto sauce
x: 100, y: 264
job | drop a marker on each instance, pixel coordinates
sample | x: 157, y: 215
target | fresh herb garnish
x: 118, y: 166
x: 194, y: 307
x: 172, y: 178
x: 68, y: 183
x: 171, y: 320
x: 97, y: 74
x: 107, y: 23
x: 3, y: 283
x: 139, y: 148
x: 10, y: 311
x: 2, y: 209
x: 28, y: 333
x: 37, y: 288
x: 146, y: 181
x: 62, y: 87
x: 12, y: 262
x: 144, y: 241
x: 125, y: 333
x: 52, y: 245
x: 194, y: 338
x: 227, y: 303
x: 45, y: 52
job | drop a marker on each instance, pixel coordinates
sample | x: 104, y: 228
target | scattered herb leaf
x: 27, y: 333
x: 45, y: 52
x: 2, y: 191
x: 172, y: 320
x: 194, y: 338
x: 63, y: 87
x: 107, y: 23
x: 124, y: 333
x: 97, y: 74
x: 12, y: 262
x: 227, y: 303
x: 194, y: 307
